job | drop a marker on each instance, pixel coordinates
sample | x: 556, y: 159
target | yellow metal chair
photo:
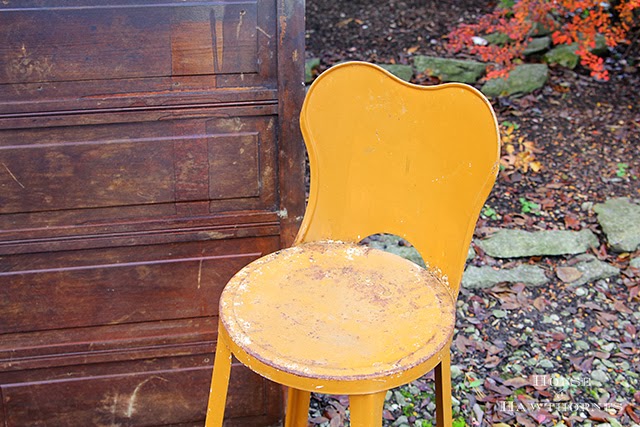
x: 329, y: 316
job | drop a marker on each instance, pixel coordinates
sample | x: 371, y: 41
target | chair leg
x: 443, y: 390
x: 366, y: 409
x: 219, y: 385
x: 297, y: 408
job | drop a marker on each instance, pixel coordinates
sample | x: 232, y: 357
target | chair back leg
x: 297, y: 408
x: 443, y: 390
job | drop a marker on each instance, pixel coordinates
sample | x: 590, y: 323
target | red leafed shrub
x: 571, y: 21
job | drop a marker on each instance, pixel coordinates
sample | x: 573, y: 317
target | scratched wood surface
x: 148, y: 150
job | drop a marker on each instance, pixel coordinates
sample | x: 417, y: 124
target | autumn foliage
x: 570, y: 21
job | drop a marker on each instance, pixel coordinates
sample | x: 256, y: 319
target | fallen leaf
x: 571, y: 222
x: 525, y: 421
x: 568, y: 274
x: 517, y: 382
x: 344, y: 22
x: 540, y: 303
x: 413, y: 49
x: 621, y: 308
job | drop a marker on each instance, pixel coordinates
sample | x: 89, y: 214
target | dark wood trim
x: 291, y: 89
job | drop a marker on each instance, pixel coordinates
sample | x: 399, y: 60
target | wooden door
x: 148, y: 150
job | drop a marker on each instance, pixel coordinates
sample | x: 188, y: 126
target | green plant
x: 622, y: 170
x: 408, y: 410
x: 489, y: 212
x: 423, y: 423
x: 459, y: 422
x: 527, y: 206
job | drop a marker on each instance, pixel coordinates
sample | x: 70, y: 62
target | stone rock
x: 593, y: 269
x: 620, y: 220
x: 309, y: 65
x: 497, y: 38
x: 390, y: 243
x: 537, y: 44
x: 450, y: 70
x: 518, y: 243
x: 522, y: 80
x: 635, y: 263
x: 486, y: 277
x: 601, y: 45
x: 599, y: 375
x: 540, y: 29
x: 455, y: 371
x: 565, y: 55
x: 404, y: 72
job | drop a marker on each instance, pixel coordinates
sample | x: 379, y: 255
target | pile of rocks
x: 522, y: 79
x: 620, y: 222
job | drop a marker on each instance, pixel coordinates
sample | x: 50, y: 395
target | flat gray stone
x: 518, y: 243
x: 404, y: 72
x: 486, y: 277
x: 635, y: 263
x: 521, y: 80
x: 450, y: 70
x: 620, y: 220
x: 537, y: 44
x: 593, y: 269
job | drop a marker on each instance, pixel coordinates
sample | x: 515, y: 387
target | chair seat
x: 338, y: 311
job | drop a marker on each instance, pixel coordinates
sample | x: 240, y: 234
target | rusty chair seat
x: 372, y: 314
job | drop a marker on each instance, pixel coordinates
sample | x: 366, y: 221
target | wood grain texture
x: 147, y: 152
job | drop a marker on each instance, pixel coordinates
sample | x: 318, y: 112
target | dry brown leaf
x: 568, y: 274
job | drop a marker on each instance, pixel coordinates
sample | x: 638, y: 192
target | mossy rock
x: 537, y: 44
x: 404, y: 72
x: 521, y: 80
x: 309, y: 65
x: 497, y: 38
x: 563, y: 55
x: 450, y: 70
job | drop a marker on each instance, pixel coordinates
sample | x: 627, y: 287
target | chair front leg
x: 219, y: 384
x: 443, y: 390
x: 297, y: 408
x: 366, y: 409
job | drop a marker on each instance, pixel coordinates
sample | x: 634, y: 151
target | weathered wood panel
x: 57, y: 176
x: 114, y: 54
x: 148, y: 150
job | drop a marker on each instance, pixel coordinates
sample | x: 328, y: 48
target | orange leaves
x: 573, y: 21
x: 518, y: 153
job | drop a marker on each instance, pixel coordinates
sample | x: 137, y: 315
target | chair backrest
x: 387, y: 156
